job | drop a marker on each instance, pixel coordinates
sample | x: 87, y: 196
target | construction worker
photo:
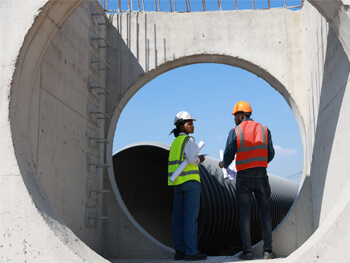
x: 187, y: 189
x: 252, y: 143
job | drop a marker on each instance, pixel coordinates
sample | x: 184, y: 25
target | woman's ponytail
x: 177, y: 130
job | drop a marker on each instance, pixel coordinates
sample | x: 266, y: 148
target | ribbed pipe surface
x: 141, y: 175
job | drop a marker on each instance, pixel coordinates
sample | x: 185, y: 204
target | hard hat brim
x: 185, y: 120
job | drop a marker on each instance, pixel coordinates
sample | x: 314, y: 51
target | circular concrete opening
x: 209, y: 92
x: 153, y: 112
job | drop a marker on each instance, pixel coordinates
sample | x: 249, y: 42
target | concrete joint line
x: 66, y: 105
x: 336, y: 14
x: 336, y: 95
x: 49, y: 18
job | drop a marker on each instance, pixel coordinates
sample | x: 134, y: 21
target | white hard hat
x: 183, y: 115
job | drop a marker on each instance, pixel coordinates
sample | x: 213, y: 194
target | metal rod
x: 100, y: 87
x: 99, y: 140
x: 99, y: 165
x: 292, y: 7
x: 102, y: 113
x: 98, y: 217
x: 101, y: 38
x: 157, y: 7
x: 103, y: 62
x: 100, y: 191
x: 171, y: 8
x: 101, y: 14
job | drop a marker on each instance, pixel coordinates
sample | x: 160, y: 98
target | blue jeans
x: 185, y: 216
x: 254, y: 180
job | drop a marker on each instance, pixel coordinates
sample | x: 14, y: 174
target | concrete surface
x: 137, y: 58
x: 48, y: 113
x: 226, y: 259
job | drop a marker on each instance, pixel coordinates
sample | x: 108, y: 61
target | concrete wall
x: 149, y: 43
x: 337, y: 14
x: 145, y: 45
x: 46, y: 118
x: 325, y: 175
x: 327, y: 79
x: 61, y: 123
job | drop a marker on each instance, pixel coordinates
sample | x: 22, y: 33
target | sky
x: 196, y: 5
x: 209, y: 92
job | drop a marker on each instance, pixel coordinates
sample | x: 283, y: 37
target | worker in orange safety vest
x: 251, y: 142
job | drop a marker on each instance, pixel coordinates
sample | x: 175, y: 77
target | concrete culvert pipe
x: 141, y: 175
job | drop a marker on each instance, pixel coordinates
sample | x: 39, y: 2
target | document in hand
x: 185, y: 163
x: 229, y: 172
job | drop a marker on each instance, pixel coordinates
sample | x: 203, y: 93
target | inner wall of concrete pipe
x: 141, y: 175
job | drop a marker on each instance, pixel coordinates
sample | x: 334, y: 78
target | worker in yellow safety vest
x: 251, y: 142
x: 187, y: 189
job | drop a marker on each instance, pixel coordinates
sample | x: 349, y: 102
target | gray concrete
x: 47, y: 117
x: 44, y: 173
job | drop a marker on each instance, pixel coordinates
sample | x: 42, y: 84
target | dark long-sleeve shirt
x: 231, y: 147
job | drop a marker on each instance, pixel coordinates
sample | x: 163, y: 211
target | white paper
x: 200, y: 146
x: 229, y: 172
x: 185, y: 163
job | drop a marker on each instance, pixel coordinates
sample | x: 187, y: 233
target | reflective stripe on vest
x: 252, y: 144
x: 176, y: 157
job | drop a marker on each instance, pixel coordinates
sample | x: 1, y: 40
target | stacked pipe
x: 141, y: 175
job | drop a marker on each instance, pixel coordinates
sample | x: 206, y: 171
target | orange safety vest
x: 252, y: 142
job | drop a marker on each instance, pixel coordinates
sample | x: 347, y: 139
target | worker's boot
x: 179, y: 255
x: 197, y: 256
x: 247, y: 255
x: 268, y: 255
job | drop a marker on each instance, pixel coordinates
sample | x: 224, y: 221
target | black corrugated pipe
x: 141, y: 175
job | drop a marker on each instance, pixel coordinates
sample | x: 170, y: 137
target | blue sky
x: 196, y: 5
x: 209, y: 92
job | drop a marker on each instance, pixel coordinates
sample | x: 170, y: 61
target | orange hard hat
x: 242, y: 106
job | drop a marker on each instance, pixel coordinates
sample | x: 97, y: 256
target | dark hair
x: 177, y: 130
x: 246, y: 114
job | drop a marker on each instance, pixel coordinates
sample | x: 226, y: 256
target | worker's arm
x: 270, y: 149
x: 191, y: 152
x: 230, y: 149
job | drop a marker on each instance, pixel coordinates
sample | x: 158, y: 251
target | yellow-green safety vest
x: 176, y: 157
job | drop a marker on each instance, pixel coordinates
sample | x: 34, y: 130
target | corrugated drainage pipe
x: 141, y: 175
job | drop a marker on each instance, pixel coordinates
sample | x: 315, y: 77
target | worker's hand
x: 201, y: 158
x: 220, y: 164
